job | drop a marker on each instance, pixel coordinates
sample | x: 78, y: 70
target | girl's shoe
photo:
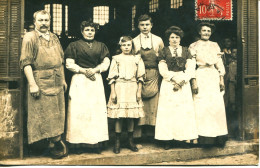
x: 116, y: 149
x: 131, y: 145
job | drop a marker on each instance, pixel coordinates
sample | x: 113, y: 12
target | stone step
x: 148, y: 154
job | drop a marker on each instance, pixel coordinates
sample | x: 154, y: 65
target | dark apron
x: 151, y: 81
x: 46, y: 114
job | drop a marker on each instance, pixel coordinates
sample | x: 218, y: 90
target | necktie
x: 175, y: 52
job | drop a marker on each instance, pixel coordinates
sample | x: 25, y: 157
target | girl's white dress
x: 176, y: 116
x: 209, y: 103
x: 126, y: 71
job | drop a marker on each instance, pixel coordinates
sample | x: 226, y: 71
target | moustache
x: 44, y: 26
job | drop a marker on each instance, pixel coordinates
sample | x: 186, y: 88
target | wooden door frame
x: 21, y: 136
x: 240, y: 68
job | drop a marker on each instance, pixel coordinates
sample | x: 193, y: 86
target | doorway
x: 120, y: 18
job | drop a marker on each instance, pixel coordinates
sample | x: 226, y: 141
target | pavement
x: 150, y: 154
x: 233, y: 160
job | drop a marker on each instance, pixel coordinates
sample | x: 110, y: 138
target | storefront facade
x: 118, y: 18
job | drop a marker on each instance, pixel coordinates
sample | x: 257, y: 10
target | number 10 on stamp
x: 213, y: 10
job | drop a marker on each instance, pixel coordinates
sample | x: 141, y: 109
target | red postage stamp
x: 213, y: 10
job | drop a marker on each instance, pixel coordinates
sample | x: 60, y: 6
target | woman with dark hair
x: 126, y: 78
x: 175, y: 116
x: 208, y: 88
x: 87, y: 112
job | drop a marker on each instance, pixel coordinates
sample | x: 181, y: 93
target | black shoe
x: 167, y: 145
x: 59, y: 150
x: 98, y: 150
x: 116, y: 149
x: 131, y: 145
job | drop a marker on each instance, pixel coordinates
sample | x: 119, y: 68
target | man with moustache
x: 42, y: 62
x: 148, y: 45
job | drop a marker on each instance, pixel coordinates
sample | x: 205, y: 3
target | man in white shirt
x: 148, y: 45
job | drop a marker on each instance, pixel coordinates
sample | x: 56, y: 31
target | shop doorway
x: 118, y: 18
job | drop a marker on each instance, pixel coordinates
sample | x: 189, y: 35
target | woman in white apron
x: 208, y: 88
x: 87, y: 112
x: 175, y: 115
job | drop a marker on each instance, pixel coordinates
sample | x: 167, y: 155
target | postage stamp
x: 213, y: 10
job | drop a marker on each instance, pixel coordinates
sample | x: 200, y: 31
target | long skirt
x: 209, y: 104
x: 175, y: 115
x: 87, y: 112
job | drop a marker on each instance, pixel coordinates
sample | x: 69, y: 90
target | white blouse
x: 208, y: 53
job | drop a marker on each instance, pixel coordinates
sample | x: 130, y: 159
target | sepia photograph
x: 67, y: 68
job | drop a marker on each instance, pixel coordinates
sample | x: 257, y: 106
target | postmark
x: 213, y: 10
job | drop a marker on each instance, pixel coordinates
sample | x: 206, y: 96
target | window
x: 176, y: 4
x: 66, y: 19
x: 153, y: 5
x: 57, y: 17
x: 114, y: 13
x: 133, y: 17
x: 47, y: 8
x: 101, y: 14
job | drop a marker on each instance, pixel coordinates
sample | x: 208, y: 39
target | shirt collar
x: 42, y: 34
x: 148, y: 36
x: 178, y: 48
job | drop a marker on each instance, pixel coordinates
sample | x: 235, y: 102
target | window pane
x: 57, y: 17
x: 153, y: 5
x: 176, y: 3
x: 101, y: 14
x: 133, y: 17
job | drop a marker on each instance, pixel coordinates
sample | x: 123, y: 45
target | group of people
x: 174, y: 93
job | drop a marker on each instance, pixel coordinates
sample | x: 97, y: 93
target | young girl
x: 125, y: 78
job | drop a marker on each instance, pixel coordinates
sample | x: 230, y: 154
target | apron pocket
x: 47, y: 83
x: 151, y: 83
x: 59, y: 79
x: 150, y: 88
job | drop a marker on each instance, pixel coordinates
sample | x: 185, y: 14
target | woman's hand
x: 113, y: 97
x: 93, y: 78
x: 194, y: 86
x: 221, y: 84
x: 89, y: 73
x: 34, y: 90
x: 138, y: 95
x: 176, y: 87
x: 182, y: 83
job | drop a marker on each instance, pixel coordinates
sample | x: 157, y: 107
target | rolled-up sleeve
x: 71, y: 65
x: 192, y: 50
x: 28, y: 51
x: 104, y: 59
x: 164, y: 71
x: 104, y: 65
x: 219, y: 65
x: 70, y: 55
x: 190, y: 69
x: 190, y: 66
x: 113, y: 72
x: 140, y: 70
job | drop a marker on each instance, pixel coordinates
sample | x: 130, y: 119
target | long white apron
x: 175, y: 116
x: 87, y: 112
x: 209, y: 103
